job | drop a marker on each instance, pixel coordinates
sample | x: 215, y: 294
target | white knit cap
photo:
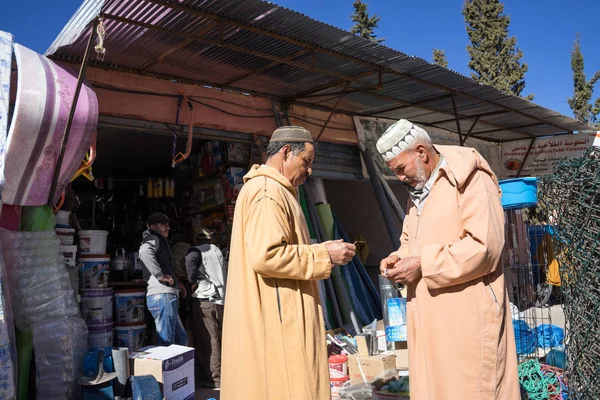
x: 397, y: 138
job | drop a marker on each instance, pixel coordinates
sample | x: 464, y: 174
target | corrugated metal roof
x: 261, y: 48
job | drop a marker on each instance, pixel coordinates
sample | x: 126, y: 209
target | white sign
x: 543, y: 154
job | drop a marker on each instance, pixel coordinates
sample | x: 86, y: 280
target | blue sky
x: 545, y: 31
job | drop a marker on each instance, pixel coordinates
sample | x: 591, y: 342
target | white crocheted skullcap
x: 398, y: 138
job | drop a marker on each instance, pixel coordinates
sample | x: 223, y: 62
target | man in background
x: 461, y: 342
x: 274, y: 344
x: 206, y: 273
x: 162, y: 296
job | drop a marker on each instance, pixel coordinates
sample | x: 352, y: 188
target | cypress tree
x: 364, y: 25
x: 583, y: 90
x: 439, y: 58
x: 495, y: 58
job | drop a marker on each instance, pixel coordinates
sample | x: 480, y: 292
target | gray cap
x: 291, y: 134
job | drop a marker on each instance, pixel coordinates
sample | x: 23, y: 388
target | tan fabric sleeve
x: 269, y: 249
x: 478, y: 251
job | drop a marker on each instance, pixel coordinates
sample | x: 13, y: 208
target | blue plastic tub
x: 519, y: 193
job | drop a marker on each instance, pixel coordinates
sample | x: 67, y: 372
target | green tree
x: 495, y: 58
x: 583, y: 90
x: 364, y: 25
x: 439, y: 58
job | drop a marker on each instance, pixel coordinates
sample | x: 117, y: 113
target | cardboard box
x: 172, y: 366
x: 374, y: 367
x: 401, y: 354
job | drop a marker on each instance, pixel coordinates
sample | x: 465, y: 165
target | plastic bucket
x: 129, y: 306
x: 62, y: 217
x: 94, y: 271
x: 338, y: 363
x: 100, y: 336
x: 66, y: 236
x: 97, y: 306
x: 133, y: 337
x: 69, y: 254
x: 92, y: 242
x: 518, y: 193
x: 336, y: 384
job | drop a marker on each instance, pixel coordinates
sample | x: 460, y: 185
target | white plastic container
x: 70, y: 255
x: 62, y: 217
x: 66, y: 236
x: 133, y: 337
x: 129, y: 306
x: 97, y: 306
x: 93, y: 270
x: 100, y: 336
x: 92, y: 242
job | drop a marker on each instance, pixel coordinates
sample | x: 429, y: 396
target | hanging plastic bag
x: 37, y: 219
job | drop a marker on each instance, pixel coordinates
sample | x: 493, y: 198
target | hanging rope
x: 101, y: 34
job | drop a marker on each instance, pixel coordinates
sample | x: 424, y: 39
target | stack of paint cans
x: 96, y: 297
x: 130, y: 328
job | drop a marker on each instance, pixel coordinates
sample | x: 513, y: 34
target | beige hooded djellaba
x: 274, y: 344
x: 460, y: 335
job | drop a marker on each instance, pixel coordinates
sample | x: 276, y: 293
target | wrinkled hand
x: 387, y: 264
x: 182, y: 290
x: 406, y: 271
x: 168, y: 279
x: 341, y: 253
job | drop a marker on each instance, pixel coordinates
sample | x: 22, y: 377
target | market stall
x: 131, y: 146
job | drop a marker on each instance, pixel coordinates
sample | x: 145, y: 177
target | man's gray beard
x: 421, y: 177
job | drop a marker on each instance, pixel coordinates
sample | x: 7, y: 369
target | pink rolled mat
x: 44, y: 95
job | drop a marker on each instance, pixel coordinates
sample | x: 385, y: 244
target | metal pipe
x: 65, y: 139
x: 526, y: 156
x: 458, y: 128
x: 337, y: 103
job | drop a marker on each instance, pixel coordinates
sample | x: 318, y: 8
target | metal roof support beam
x: 67, y: 131
x: 488, y: 114
x: 458, y: 128
x: 412, y: 104
x: 337, y: 103
x: 470, y: 130
x: 509, y: 128
x: 159, y: 59
x: 267, y: 67
x: 526, y: 156
x: 221, y: 43
x: 333, y: 84
x: 478, y: 99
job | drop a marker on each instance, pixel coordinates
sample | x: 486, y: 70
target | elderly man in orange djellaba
x: 460, y: 336
x: 274, y: 344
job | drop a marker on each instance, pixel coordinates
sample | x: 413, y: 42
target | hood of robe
x: 462, y: 162
x: 265, y: 171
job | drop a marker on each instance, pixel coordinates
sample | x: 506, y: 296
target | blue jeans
x: 165, y: 311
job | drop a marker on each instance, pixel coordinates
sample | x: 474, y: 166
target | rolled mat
x: 44, y: 96
x: 121, y: 362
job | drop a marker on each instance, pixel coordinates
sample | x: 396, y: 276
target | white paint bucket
x: 97, y: 306
x: 94, y: 271
x: 129, y: 306
x: 92, y: 242
x: 62, y: 217
x: 66, y: 236
x: 133, y: 337
x: 100, y: 336
x: 69, y: 254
